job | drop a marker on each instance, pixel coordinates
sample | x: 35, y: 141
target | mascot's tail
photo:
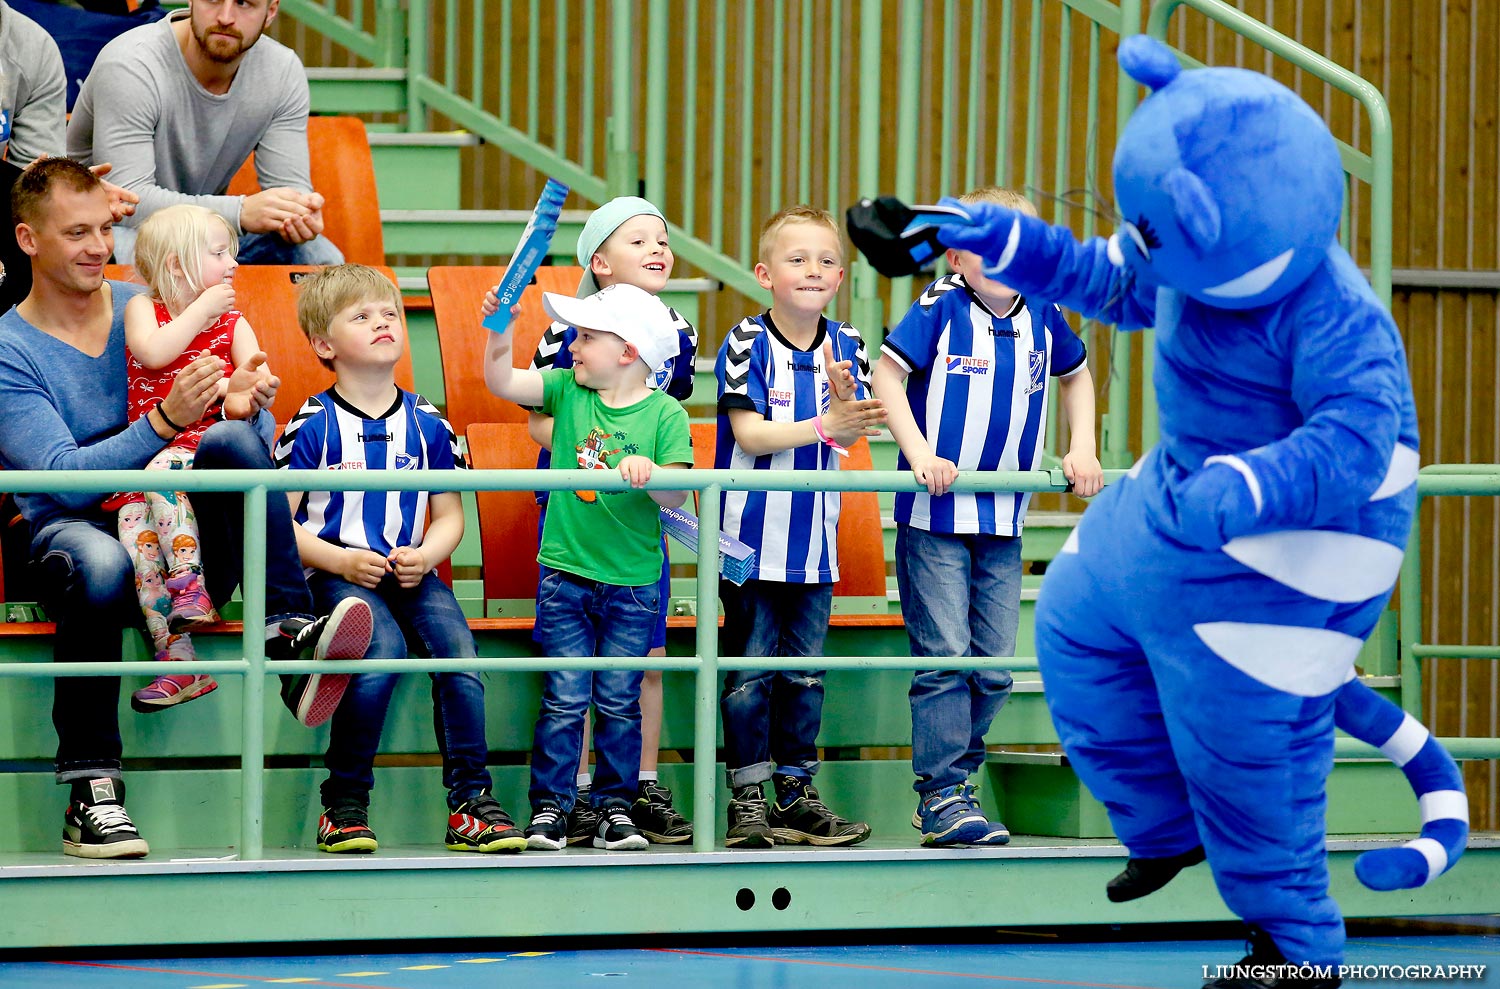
x: 1433, y: 776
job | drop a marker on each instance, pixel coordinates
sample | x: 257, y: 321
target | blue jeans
x: 425, y: 620
x: 772, y: 717
x: 659, y: 633
x: 82, y: 581
x: 270, y: 248
x: 576, y: 616
x: 960, y: 596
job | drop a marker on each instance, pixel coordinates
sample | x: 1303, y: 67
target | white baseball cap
x: 632, y: 314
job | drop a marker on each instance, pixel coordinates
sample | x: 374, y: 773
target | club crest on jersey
x: 779, y: 398
x: 405, y: 461
x: 1036, y: 366
x: 968, y: 365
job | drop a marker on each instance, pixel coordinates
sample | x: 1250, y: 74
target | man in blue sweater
x: 62, y: 407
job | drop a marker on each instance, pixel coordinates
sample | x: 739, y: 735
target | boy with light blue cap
x: 624, y: 242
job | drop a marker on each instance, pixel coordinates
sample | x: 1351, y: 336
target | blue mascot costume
x: 1197, y: 634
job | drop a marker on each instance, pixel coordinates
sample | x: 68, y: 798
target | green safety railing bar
x: 1436, y: 480
x: 707, y: 664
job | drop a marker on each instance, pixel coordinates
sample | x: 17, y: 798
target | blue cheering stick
x: 530, y: 254
x: 898, y: 239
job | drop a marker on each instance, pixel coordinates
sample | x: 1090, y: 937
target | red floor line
x: 900, y: 971
x: 217, y: 975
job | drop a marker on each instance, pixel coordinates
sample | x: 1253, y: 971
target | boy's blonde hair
x: 326, y: 292
x: 796, y: 214
x: 180, y: 232
x: 1000, y: 197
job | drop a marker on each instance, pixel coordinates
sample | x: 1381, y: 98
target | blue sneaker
x: 947, y: 817
x: 999, y: 833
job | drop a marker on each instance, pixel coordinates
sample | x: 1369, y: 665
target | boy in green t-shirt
x: 603, y: 547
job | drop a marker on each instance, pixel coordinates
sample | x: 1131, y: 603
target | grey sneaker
x: 748, y: 819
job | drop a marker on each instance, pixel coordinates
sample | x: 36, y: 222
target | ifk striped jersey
x: 978, y: 389
x: 794, y: 534
x: 328, y: 433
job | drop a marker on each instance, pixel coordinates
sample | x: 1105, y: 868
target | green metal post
x: 706, y: 695
x: 417, y: 19
x: 1115, y: 442
x: 657, y: 57
x: 621, y: 168
x: 253, y: 711
x: 866, y: 310
x: 389, y: 33
x: 1410, y: 631
x: 908, y: 103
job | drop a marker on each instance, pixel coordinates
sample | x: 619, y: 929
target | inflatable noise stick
x: 529, y: 255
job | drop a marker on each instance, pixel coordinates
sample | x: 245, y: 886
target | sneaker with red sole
x: 343, y: 633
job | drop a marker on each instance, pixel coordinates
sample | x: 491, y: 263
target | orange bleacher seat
x: 122, y: 273
x: 456, y: 294
x: 507, y: 519
x: 344, y: 173
x: 861, y: 542
x: 267, y: 295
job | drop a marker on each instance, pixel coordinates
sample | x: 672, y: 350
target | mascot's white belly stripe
x: 1403, y: 746
x: 1254, y: 281
x: 1306, y: 662
x: 1431, y: 850
x: 1329, y: 566
x: 1444, y: 805
x: 1070, y: 545
x: 1401, y: 474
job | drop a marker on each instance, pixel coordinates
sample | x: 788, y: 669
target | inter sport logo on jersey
x: 968, y: 365
x: 780, y: 398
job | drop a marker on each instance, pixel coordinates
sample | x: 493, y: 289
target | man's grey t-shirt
x: 172, y: 141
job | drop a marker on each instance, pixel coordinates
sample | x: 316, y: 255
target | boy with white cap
x: 600, y: 596
x: 624, y: 242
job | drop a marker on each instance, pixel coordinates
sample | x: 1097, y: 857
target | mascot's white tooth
x: 1401, y: 474
x: 1330, y: 566
x: 1070, y: 545
x: 1113, y: 252
x: 1254, y: 281
x: 1307, y: 662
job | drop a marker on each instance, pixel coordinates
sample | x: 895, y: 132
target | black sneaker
x: 617, y: 833
x: 748, y: 827
x: 346, y: 828
x: 343, y: 633
x: 1141, y: 877
x: 95, y: 825
x: 654, y: 814
x: 482, y: 825
x: 548, y: 830
x: 583, y: 819
x: 1265, y: 967
x: 798, y: 817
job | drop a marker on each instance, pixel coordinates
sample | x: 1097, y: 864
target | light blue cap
x: 601, y: 223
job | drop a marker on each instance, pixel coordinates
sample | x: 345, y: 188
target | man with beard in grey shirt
x: 178, y: 105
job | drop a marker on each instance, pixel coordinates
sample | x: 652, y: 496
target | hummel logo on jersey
x: 968, y: 365
x: 796, y: 364
x: 375, y: 437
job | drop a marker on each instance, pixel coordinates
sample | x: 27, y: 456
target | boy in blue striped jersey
x: 787, y: 401
x: 964, y: 375
x: 373, y: 546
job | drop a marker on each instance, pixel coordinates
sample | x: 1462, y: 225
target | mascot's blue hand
x: 1212, y: 507
x: 989, y: 231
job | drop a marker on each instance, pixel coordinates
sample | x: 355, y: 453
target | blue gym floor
x: 1049, y: 958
